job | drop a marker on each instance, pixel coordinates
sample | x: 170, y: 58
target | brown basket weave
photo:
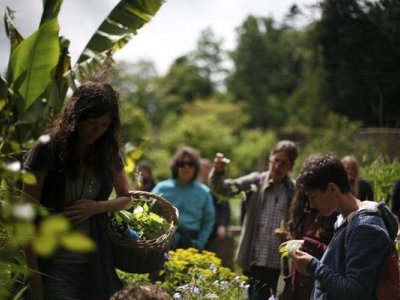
x: 144, y: 256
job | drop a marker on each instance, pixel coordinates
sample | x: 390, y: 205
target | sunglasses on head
x: 186, y: 163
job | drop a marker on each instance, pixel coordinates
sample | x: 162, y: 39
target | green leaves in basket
x: 147, y: 223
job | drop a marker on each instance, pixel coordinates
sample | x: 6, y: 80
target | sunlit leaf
x: 120, y: 25
x: 44, y: 245
x: 53, y: 225
x: 23, y: 232
x: 28, y: 178
x: 78, y: 242
x: 33, y: 62
x: 135, y: 154
x: 130, y: 165
x: 3, y: 93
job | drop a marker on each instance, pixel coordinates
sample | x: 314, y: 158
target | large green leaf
x: 120, y: 25
x: 33, y: 63
x: 3, y: 93
x: 85, y: 70
x: 13, y: 35
x: 11, y: 30
x: 51, y: 8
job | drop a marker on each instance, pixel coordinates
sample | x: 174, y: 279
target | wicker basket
x: 144, y: 256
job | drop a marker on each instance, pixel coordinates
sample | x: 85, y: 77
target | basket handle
x: 166, y: 203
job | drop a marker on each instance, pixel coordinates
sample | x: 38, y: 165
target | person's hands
x: 219, y: 162
x: 301, y: 260
x: 222, y: 231
x: 82, y: 209
x: 283, y: 235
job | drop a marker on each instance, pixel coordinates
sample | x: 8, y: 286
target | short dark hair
x: 182, y: 151
x: 320, y: 170
x: 289, y: 147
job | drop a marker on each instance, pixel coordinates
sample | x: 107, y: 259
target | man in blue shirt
x: 192, y: 199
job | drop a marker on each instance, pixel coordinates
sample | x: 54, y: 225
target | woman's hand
x: 301, y: 260
x: 82, y: 210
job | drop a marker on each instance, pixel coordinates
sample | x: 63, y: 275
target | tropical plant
x: 32, y: 92
x: 39, y: 70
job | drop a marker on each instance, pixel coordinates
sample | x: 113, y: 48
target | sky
x: 173, y: 31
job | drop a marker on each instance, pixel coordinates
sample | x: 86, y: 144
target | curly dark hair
x: 320, y: 170
x: 141, y: 292
x: 300, y: 210
x: 90, y: 100
x: 177, y: 159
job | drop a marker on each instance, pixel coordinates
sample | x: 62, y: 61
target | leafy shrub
x: 191, y: 274
x: 382, y: 174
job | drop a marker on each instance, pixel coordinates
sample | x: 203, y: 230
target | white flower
x: 244, y: 286
x: 14, y: 166
x: 216, y: 283
x: 177, y: 296
x: 224, y: 285
x: 213, y: 268
x: 236, y: 279
x: 195, y: 290
x: 23, y: 211
x: 292, y: 246
x: 167, y: 255
x: 212, y: 296
x: 45, y: 138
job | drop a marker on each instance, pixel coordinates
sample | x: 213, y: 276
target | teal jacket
x: 195, y: 207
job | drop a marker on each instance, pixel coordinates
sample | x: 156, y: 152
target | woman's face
x: 90, y: 130
x: 186, y: 169
x: 351, y: 170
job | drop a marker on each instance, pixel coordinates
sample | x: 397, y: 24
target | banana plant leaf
x: 13, y: 35
x: 119, y: 27
x: 51, y: 8
x: 33, y: 63
x: 3, y: 92
x: 11, y: 30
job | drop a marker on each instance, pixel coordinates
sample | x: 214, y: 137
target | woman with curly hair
x: 191, y: 198
x: 77, y: 164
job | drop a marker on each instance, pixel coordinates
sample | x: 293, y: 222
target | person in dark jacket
x: 305, y: 223
x: 76, y: 165
x: 350, y: 267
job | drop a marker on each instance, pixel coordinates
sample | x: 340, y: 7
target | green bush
x: 382, y: 174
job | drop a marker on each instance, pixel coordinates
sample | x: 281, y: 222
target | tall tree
x: 210, y: 57
x: 267, y: 69
x: 361, y: 58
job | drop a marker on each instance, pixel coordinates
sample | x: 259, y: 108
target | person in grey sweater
x: 351, y: 266
x: 266, y: 209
